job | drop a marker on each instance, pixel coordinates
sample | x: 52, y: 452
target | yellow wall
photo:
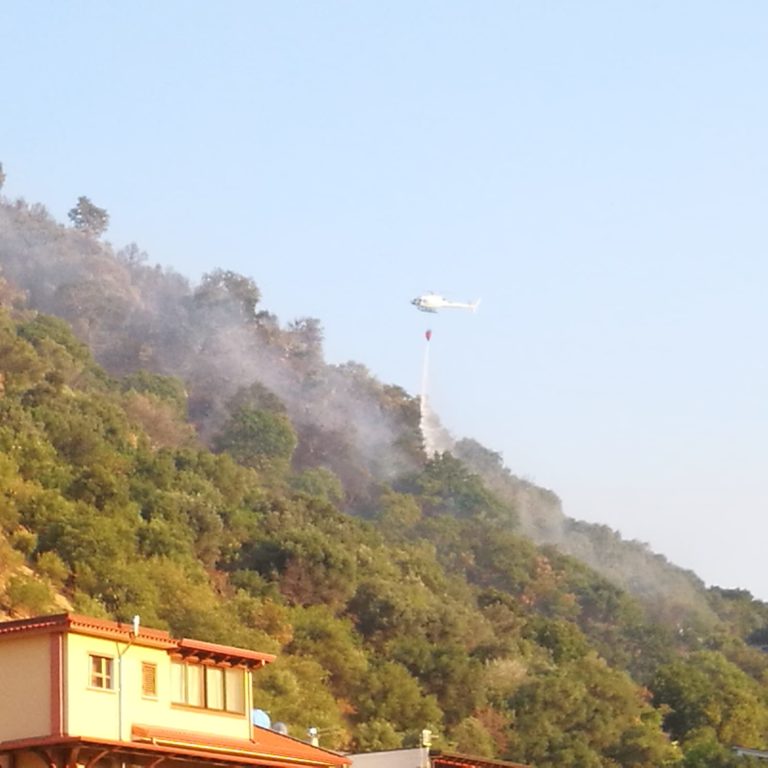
x: 25, y: 687
x: 89, y: 711
x: 96, y: 713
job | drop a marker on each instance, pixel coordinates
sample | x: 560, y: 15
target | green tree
x: 562, y: 639
x: 306, y: 338
x: 319, y: 482
x: 166, y: 388
x: 398, y: 513
x: 89, y: 218
x: 472, y: 738
x: 584, y: 714
x: 50, y: 565
x: 447, y: 486
x: 376, y: 735
x: 257, y: 397
x: 702, y: 750
x: 257, y: 438
x: 705, y: 690
x: 445, y: 670
x: 294, y: 690
x: 318, y: 634
x: 314, y: 568
x: 28, y: 595
x: 224, y: 287
x: 390, y: 693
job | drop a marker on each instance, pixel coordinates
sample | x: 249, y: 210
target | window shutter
x: 148, y: 679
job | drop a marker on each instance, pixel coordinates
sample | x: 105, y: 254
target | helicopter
x: 432, y: 302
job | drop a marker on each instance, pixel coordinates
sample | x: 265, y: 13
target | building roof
x: 151, y: 745
x: 121, y: 632
x: 416, y: 758
x: 266, y: 744
x: 390, y: 758
x: 758, y: 754
x: 469, y: 761
x: 198, y: 650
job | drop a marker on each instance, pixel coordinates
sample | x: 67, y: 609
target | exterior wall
x: 22, y: 760
x: 416, y: 757
x: 90, y: 711
x: 108, y: 714
x: 25, y: 687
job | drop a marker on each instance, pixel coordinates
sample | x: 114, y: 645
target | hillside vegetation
x: 214, y: 475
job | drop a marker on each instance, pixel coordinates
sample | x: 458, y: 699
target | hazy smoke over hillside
x: 213, y: 336
x: 216, y: 338
x: 630, y: 564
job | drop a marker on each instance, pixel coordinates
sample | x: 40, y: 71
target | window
x: 234, y: 690
x: 187, y: 684
x: 195, y: 685
x: 102, y: 672
x: 148, y: 679
x: 178, y: 688
x: 214, y: 688
x: 211, y: 687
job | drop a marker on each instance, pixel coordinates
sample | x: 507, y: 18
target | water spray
x: 427, y: 432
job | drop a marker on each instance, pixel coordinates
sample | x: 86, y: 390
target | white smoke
x: 133, y: 315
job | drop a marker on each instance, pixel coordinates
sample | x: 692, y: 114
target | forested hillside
x: 219, y: 341
x: 214, y: 475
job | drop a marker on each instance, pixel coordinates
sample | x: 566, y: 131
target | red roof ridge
x: 186, y: 645
x: 36, y: 622
x: 461, y: 760
x: 147, y: 636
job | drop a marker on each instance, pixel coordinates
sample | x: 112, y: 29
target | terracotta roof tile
x: 153, y: 638
x: 265, y: 744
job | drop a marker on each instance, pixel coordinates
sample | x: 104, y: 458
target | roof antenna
x: 136, y: 621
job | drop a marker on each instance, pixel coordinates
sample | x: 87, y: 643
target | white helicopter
x: 431, y: 302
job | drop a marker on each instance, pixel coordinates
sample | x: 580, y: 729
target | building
x: 424, y: 757
x: 79, y: 692
x: 755, y: 754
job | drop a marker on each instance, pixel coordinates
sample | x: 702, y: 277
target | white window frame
x: 102, y: 679
x: 224, y: 686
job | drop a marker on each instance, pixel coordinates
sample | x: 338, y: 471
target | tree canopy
x: 280, y: 503
x: 89, y: 218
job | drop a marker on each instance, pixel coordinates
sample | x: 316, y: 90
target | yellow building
x: 79, y: 692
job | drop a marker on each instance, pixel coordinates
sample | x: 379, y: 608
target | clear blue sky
x: 597, y: 172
